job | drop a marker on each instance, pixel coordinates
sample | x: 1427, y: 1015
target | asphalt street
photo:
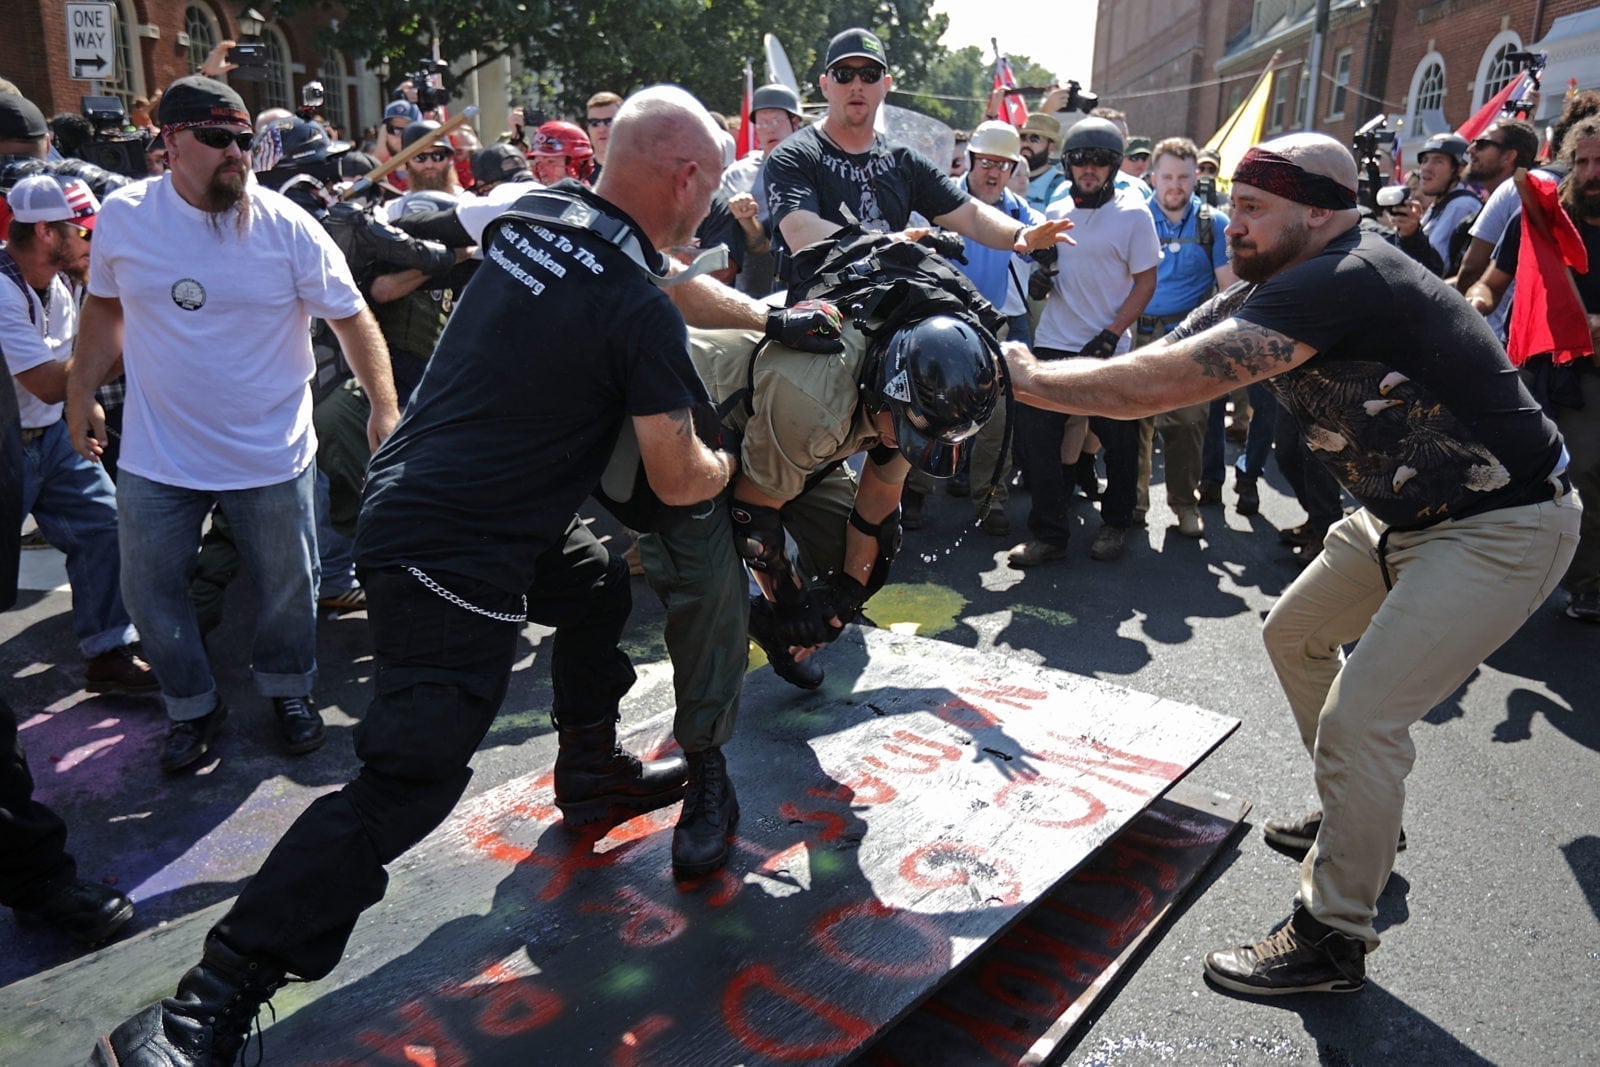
x: 1490, y: 924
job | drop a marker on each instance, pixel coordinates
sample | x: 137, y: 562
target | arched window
x: 1429, y: 93
x: 335, y: 84
x: 129, y: 82
x: 277, y: 90
x: 1495, y: 71
x: 204, y: 33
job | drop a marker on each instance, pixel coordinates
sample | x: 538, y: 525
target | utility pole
x: 1319, y: 31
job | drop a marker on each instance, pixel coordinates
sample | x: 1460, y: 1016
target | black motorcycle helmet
x: 939, y: 379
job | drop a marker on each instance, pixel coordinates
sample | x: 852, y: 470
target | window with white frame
x: 1279, y: 114
x: 1338, y: 100
x: 204, y: 33
x: 128, y: 83
x: 1429, y: 92
x: 277, y: 89
x: 1496, y: 69
x: 331, y: 74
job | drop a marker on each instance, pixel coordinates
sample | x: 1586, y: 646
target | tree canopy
x: 570, y: 49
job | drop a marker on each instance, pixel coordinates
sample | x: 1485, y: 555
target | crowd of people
x: 786, y: 359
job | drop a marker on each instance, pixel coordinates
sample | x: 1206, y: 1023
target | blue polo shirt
x: 990, y: 268
x: 1185, y: 275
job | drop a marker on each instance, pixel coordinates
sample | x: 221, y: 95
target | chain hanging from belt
x: 498, y: 616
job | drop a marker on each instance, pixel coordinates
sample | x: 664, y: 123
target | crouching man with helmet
x: 918, y: 377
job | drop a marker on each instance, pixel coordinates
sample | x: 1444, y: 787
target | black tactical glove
x: 1039, y: 283
x: 810, y: 326
x: 799, y: 617
x: 1102, y: 346
x: 843, y: 597
x: 951, y: 246
x: 1046, y: 256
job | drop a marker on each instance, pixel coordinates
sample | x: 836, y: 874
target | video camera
x: 115, y: 146
x: 429, y: 82
x: 1078, y: 98
x: 312, y: 97
x: 1366, y: 142
x: 1521, y: 106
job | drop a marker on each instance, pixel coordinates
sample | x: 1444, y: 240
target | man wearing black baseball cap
x: 205, y: 283
x: 840, y: 172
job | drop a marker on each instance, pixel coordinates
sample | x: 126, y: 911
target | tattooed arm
x: 1159, y: 377
x: 680, y: 468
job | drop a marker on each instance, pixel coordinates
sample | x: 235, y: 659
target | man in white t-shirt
x: 70, y: 498
x: 1100, y: 289
x: 206, y: 283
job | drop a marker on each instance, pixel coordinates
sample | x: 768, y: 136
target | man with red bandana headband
x: 204, y: 284
x: 560, y: 150
x: 1466, y: 523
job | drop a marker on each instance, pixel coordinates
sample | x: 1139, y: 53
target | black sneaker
x: 1584, y: 606
x: 299, y: 724
x: 87, y: 911
x: 1296, y: 836
x: 1301, y: 956
x: 188, y: 741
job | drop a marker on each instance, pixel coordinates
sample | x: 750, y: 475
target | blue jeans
x: 275, y: 531
x: 1257, y: 445
x: 333, y: 548
x: 75, y: 506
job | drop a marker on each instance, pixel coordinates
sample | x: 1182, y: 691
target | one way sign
x: 91, y: 51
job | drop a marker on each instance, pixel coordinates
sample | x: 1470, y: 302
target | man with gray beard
x: 204, y: 284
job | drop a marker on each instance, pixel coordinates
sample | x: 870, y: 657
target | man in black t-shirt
x: 840, y: 172
x: 468, y: 529
x: 1465, y: 524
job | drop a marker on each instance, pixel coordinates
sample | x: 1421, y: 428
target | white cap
x: 43, y: 198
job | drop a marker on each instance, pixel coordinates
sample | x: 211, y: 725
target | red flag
x: 1397, y: 163
x: 1546, y: 315
x: 1480, y: 120
x: 747, y: 126
x: 1011, y: 107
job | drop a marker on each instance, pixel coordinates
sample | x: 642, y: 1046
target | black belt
x: 33, y: 433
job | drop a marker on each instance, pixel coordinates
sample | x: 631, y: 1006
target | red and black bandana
x: 1281, y: 176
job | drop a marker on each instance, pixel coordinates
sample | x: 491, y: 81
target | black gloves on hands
x: 1104, y: 345
x: 799, y: 616
x: 1039, y: 283
x: 810, y: 326
x: 951, y: 246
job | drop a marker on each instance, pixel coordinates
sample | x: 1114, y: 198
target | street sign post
x: 91, y: 52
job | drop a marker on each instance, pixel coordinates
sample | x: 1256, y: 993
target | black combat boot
x: 204, y: 1024
x: 700, y: 841
x: 806, y: 673
x: 593, y: 773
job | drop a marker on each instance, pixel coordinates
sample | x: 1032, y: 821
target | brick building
x: 158, y: 41
x: 1427, y: 64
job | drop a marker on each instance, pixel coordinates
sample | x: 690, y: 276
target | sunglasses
x: 596, y: 123
x: 846, y: 75
x: 220, y: 139
x: 1486, y: 142
x: 1091, y: 157
x: 1034, y: 138
x: 392, y: 128
x: 438, y: 155
x: 993, y: 164
x: 84, y: 234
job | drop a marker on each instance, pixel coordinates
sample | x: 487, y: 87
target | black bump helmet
x: 939, y: 379
x: 1094, y: 132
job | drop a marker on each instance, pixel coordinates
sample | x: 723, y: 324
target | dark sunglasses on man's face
x: 392, y: 128
x: 595, y: 124
x: 438, y: 155
x: 1484, y: 142
x: 220, y: 139
x: 1091, y: 157
x: 845, y: 75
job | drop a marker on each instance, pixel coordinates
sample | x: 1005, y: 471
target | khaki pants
x: 1460, y: 590
x: 1183, y: 436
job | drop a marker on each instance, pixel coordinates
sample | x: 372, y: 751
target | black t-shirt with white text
x: 1410, y: 399
x: 557, y: 338
x: 878, y: 188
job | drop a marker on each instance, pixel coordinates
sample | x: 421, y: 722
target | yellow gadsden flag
x: 1243, y: 128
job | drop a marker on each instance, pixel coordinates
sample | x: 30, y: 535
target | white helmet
x: 998, y: 139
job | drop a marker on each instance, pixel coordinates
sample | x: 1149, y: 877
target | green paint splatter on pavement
x: 933, y: 608
x: 1049, y: 615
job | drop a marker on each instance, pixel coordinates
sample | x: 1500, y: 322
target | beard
x: 1261, y: 264
x: 436, y: 181
x: 1586, y: 200
x: 225, y: 192
x: 76, y: 270
x: 1034, y: 158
